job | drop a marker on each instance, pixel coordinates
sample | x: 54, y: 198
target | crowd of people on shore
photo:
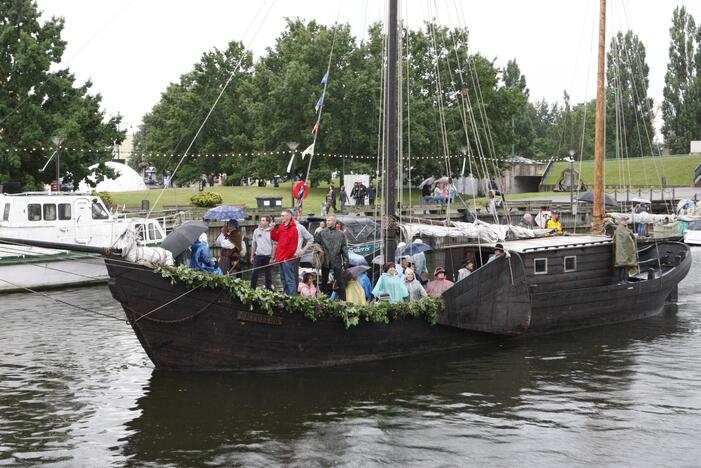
x: 283, y: 242
x: 360, y: 194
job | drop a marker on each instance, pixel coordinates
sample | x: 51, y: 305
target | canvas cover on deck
x: 478, y: 230
x: 646, y: 218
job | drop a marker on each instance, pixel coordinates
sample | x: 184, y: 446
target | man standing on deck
x: 262, y: 252
x: 304, y: 242
x: 286, y: 236
x: 624, y: 251
x: 333, y: 243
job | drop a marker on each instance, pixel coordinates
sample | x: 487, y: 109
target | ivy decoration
x: 273, y: 302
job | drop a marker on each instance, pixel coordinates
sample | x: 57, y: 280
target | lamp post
x: 57, y: 141
x: 571, y: 153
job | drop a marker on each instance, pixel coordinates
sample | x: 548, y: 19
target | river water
x: 76, y: 389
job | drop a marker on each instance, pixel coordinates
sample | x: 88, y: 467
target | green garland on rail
x: 311, y: 308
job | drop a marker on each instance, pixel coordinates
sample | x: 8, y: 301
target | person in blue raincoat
x: 201, y: 258
x: 366, y: 284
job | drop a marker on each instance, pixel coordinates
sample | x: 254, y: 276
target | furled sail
x: 478, y: 230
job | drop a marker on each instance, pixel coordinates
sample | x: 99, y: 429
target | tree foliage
x: 452, y: 98
x: 681, y: 108
x: 629, y: 115
x: 36, y: 103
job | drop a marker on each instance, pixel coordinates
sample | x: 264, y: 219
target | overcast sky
x: 132, y: 49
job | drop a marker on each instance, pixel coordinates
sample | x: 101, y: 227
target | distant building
x: 123, y: 152
x: 695, y: 147
x: 524, y: 175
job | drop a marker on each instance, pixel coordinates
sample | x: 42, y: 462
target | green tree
x: 287, y: 87
x: 522, y: 125
x: 36, y: 103
x: 681, y: 108
x: 457, y: 99
x: 629, y: 129
x: 173, y: 123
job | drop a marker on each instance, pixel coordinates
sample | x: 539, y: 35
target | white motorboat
x: 692, y: 235
x: 69, y: 218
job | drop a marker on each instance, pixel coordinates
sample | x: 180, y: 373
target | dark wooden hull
x: 613, y: 302
x: 207, y: 330
x: 507, y: 297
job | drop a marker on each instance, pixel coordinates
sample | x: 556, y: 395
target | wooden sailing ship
x: 542, y: 286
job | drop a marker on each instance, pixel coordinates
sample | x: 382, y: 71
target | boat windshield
x: 99, y: 211
x: 695, y: 226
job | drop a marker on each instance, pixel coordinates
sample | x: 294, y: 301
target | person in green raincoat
x: 625, y: 253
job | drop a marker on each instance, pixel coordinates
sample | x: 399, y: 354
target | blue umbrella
x: 412, y: 249
x: 225, y: 212
x: 356, y: 259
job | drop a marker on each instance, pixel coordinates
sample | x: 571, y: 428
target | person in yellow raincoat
x: 554, y: 223
x: 355, y: 294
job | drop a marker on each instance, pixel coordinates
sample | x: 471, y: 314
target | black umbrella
x: 589, y: 197
x: 184, y: 236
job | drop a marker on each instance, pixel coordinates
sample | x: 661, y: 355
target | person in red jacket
x: 285, y: 234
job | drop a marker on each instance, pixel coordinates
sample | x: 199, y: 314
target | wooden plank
x: 494, y: 299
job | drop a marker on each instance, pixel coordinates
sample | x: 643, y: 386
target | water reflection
x: 488, y: 392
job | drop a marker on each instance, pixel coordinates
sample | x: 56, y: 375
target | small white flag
x: 309, y: 150
x: 289, y: 165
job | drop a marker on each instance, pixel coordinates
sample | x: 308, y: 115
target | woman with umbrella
x: 230, y: 240
x: 201, y: 258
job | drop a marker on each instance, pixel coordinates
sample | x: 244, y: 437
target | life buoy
x: 300, y: 187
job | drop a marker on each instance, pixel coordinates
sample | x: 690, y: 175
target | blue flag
x: 325, y: 79
x: 319, y: 103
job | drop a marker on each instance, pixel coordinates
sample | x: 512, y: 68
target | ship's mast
x: 391, y: 123
x: 598, y: 208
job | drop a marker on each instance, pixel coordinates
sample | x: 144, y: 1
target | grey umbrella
x: 184, y: 236
x: 428, y: 180
x: 589, y: 197
x: 357, y: 270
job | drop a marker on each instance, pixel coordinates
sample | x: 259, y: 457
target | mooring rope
x: 59, y: 300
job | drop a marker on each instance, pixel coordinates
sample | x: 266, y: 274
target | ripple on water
x: 77, y: 389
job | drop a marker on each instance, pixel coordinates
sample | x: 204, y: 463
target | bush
x: 105, y: 197
x: 206, y: 199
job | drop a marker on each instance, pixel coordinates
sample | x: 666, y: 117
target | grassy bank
x: 678, y: 170
x: 241, y: 196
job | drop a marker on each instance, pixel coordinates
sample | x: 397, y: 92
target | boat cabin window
x: 64, y: 211
x: 570, y: 263
x: 540, y: 266
x: 99, y: 211
x: 153, y: 232
x: 6, y: 212
x: 139, y: 229
x: 34, y: 212
x: 49, y: 212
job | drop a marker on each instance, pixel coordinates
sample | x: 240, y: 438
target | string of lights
x: 147, y: 156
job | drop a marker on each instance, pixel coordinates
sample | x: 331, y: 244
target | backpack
x: 318, y: 256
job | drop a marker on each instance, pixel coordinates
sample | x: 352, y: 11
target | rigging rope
x: 325, y: 81
x: 216, y: 101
